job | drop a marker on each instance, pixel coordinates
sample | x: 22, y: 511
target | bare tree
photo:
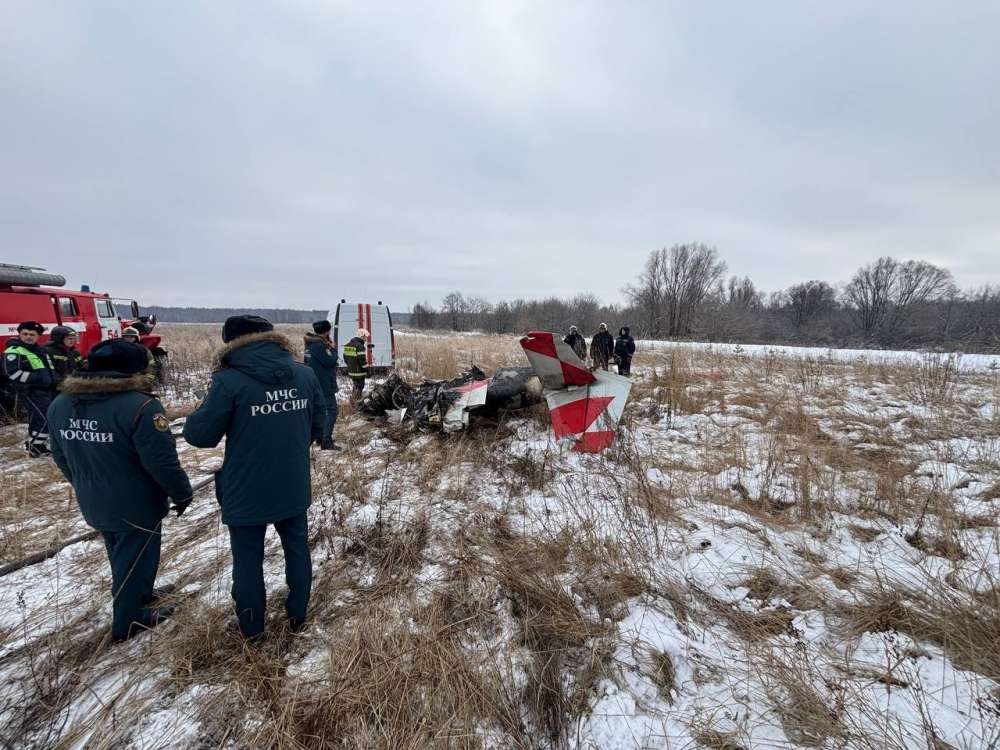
x: 917, y: 283
x: 869, y: 293
x: 503, y: 317
x: 647, y: 294
x: 806, y: 301
x: 584, y: 311
x: 674, y: 284
x: 454, y: 308
x: 477, y: 313
x: 741, y: 295
x: 883, y: 294
x: 422, y: 315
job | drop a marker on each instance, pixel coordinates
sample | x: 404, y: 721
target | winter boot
x: 161, y: 592
x: 37, y: 450
x: 156, y: 616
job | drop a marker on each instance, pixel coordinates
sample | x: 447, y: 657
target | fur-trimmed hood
x: 315, y: 338
x: 221, y: 359
x: 101, y: 382
x: 266, y: 357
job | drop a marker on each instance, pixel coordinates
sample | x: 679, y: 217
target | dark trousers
x: 625, y: 366
x: 37, y: 405
x: 359, y: 387
x: 331, y: 417
x: 134, y: 557
x: 249, y: 594
x: 601, y: 362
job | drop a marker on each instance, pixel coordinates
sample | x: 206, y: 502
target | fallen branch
x: 55, y: 549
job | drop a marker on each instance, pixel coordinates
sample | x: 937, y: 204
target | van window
x: 104, y: 308
x: 67, y: 307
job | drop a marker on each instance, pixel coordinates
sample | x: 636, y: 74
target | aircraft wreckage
x: 584, y: 406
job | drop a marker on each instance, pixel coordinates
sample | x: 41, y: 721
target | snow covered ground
x: 964, y: 362
x: 782, y: 550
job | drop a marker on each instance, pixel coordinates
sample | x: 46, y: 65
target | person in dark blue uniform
x: 112, y: 442
x: 270, y: 409
x: 30, y: 371
x: 321, y: 356
x: 624, y: 351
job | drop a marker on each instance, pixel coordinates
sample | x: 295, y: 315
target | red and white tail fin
x: 584, y: 406
x: 555, y: 361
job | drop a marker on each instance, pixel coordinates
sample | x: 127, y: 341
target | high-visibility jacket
x: 356, y: 358
x: 28, y: 366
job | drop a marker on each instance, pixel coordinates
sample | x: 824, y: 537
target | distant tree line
x: 219, y: 314
x: 682, y: 292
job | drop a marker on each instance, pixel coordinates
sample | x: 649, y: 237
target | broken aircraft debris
x: 584, y: 406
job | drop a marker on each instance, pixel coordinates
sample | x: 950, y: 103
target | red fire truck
x: 28, y: 293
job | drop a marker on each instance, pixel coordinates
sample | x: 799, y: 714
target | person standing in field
x: 321, y: 356
x: 624, y: 351
x: 132, y: 334
x: 270, y: 409
x: 576, y: 342
x: 112, y: 442
x: 30, y: 371
x: 356, y: 359
x: 602, y: 347
x: 63, y: 354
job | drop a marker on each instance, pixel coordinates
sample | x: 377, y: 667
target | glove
x: 180, y: 506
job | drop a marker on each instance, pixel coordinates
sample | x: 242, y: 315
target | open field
x: 783, y: 549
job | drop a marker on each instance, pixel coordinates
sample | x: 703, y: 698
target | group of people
x: 604, y: 348
x: 111, y: 439
x: 37, y: 372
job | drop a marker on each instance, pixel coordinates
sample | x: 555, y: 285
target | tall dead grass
x: 470, y: 590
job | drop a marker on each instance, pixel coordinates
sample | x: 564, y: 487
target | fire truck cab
x: 28, y: 293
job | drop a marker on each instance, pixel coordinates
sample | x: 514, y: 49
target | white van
x: 377, y: 320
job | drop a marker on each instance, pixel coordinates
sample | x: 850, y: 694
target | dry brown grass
x: 966, y: 627
x: 468, y: 594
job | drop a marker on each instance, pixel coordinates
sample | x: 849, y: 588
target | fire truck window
x: 67, y: 307
x: 104, y: 309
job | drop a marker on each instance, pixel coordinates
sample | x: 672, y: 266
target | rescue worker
x: 576, y: 342
x: 63, y: 354
x: 602, y: 347
x: 321, y: 356
x: 356, y: 359
x: 112, y: 442
x: 270, y: 409
x: 30, y: 371
x: 132, y: 334
x: 624, y: 351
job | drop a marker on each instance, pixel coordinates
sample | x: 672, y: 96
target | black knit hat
x: 322, y: 326
x: 59, y: 333
x: 117, y: 356
x: 30, y: 325
x: 242, y: 325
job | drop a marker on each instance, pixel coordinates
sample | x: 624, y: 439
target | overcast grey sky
x: 293, y: 153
